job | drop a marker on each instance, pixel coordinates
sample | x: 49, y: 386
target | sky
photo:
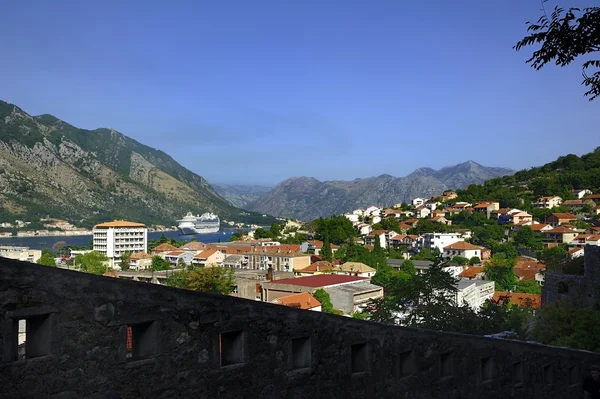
x: 254, y: 92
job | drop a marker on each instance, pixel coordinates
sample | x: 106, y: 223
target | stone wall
x: 576, y: 290
x: 189, y: 344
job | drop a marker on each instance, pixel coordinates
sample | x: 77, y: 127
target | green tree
x: 93, y: 262
x: 474, y: 260
x: 526, y: 238
x: 125, y: 260
x: 211, y: 279
x: 564, y: 37
x: 528, y: 287
x: 159, y: 264
x: 378, y: 253
x: 500, y: 270
x: 325, y: 252
x: 459, y: 260
x: 47, y: 259
x: 553, y: 257
x: 427, y: 254
x: 338, y: 228
x: 408, y: 267
x: 326, y: 306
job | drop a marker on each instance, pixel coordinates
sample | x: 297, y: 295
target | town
x: 475, y: 243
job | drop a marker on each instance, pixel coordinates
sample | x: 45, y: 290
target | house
x: 462, y: 249
x: 385, y: 236
x: 316, y: 268
x: 442, y: 219
x: 372, y: 211
x: 521, y: 218
x: 437, y: 213
x: 577, y: 205
x: 539, y: 228
x: 281, y: 261
x: 24, y: 254
x: 432, y: 241
x: 363, y: 228
x: 347, y: 293
x: 235, y: 262
x: 421, y: 265
x: 548, y: 202
x: 474, y: 293
x: 596, y: 210
x: 163, y: 248
x: 419, y: 202
x: 140, y: 261
x: 559, y: 218
x: 303, y: 300
x: 520, y: 299
x: 355, y: 269
x: 576, y: 253
x: 450, y: 194
x: 315, y: 247
x: 473, y: 273
x: 193, y: 246
x: 486, y: 207
x: 351, y: 217
x: 432, y: 205
x: 421, y: 212
x: 408, y: 241
x: 209, y: 257
x: 580, y: 194
x: 177, y: 257
x: 486, y: 253
x: 374, y: 219
x: 560, y: 235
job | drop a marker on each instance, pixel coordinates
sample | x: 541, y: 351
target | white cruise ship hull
x: 193, y: 230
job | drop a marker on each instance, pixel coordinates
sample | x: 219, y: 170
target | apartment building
x: 118, y: 237
x: 24, y: 254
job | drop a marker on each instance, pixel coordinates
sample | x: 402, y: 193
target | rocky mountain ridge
x: 307, y: 198
x: 51, y: 168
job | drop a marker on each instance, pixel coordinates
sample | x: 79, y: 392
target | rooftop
x: 321, y: 280
x: 119, y: 223
x: 303, y: 300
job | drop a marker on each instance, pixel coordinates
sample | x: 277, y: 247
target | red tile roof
x: 471, y: 272
x: 165, y: 248
x: 321, y: 280
x: 568, y: 216
x: 462, y: 246
x: 520, y: 299
x: 304, y: 300
x: 120, y: 223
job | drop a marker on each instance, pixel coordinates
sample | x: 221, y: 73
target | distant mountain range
x: 240, y: 195
x: 307, y: 198
x: 50, y: 168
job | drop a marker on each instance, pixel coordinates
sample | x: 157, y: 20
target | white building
x: 438, y: 240
x: 419, y: 201
x: 24, y: 254
x: 351, y: 217
x: 463, y: 249
x: 118, y: 237
x: 474, y: 292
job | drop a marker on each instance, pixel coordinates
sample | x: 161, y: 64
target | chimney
x: 270, y: 274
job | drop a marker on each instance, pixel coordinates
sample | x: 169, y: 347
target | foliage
x: 428, y: 226
x: 427, y: 254
x: 528, y: 287
x: 459, y: 260
x: 360, y: 315
x: 125, y: 260
x: 553, y: 257
x: 474, y: 260
x: 388, y: 278
x: 47, y: 259
x: 574, y: 266
x: 526, y: 238
x: 378, y: 253
x: 337, y: 228
x: 207, y: 279
x: 238, y: 235
x: 501, y: 270
x: 325, y: 252
x: 326, y: 306
x: 93, y: 262
x: 163, y: 239
x: 408, y: 267
x: 159, y: 264
x: 564, y: 36
x: 562, y: 324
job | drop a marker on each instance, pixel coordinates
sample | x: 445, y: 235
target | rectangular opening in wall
x: 360, y: 358
x: 486, y: 369
x: 21, y: 338
x: 518, y: 373
x: 407, y: 366
x: 301, y: 353
x: 231, y: 347
x: 142, y: 340
x: 447, y: 364
x: 37, y: 335
x: 548, y: 377
x: 574, y: 378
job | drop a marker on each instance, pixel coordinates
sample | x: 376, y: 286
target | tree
x: 528, y: 287
x: 553, y: 257
x: 325, y: 252
x: 526, y: 238
x: 58, y: 246
x: 459, y: 260
x: 408, y: 267
x: 125, y: 260
x: 500, y: 270
x: 378, y: 253
x: 474, y: 260
x: 211, y: 279
x: 47, y: 259
x: 159, y: 264
x: 326, y: 306
x: 564, y: 37
x: 93, y: 262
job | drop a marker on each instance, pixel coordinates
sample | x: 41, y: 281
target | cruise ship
x: 204, y: 224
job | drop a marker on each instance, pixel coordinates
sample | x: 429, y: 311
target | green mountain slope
x: 555, y: 178
x: 50, y: 168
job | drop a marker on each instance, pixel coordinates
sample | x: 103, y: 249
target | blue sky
x: 259, y: 91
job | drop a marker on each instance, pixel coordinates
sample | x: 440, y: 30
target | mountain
x: 306, y: 198
x: 50, y: 168
x: 240, y: 195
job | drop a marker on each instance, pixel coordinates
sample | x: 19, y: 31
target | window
x: 447, y: 364
x: 231, y: 348
x: 29, y: 337
x: 407, y: 366
x: 486, y: 369
x: 301, y: 353
x: 518, y: 373
x: 548, y: 375
x: 142, y: 340
x: 360, y: 358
